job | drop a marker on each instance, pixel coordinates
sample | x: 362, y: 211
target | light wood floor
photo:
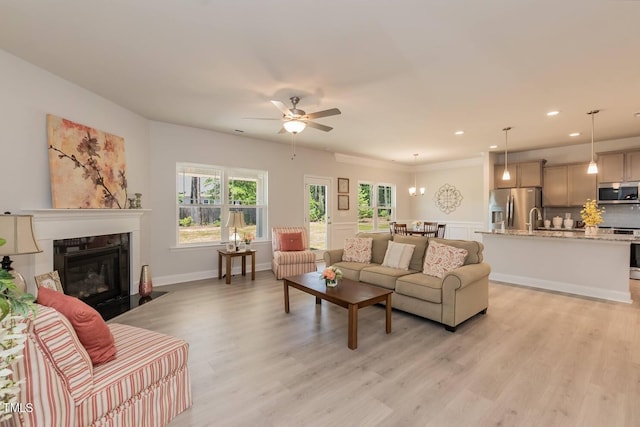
x: 536, y: 359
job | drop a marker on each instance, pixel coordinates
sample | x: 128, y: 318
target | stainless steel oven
x: 634, y: 253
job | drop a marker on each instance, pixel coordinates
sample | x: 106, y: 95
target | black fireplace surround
x: 94, y: 269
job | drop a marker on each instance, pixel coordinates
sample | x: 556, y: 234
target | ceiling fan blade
x: 318, y: 126
x: 282, y: 130
x: 324, y: 113
x: 280, y: 106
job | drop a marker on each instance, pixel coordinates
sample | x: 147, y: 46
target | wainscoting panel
x: 463, y: 230
x: 340, y: 231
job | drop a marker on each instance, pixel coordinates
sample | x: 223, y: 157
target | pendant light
x: 412, y: 190
x: 506, y: 176
x: 593, y: 166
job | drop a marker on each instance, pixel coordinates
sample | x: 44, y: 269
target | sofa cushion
x: 420, y: 243
x: 351, y: 270
x: 398, y: 255
x: 420, y: 286
x: 473, y: 248
x: 384, y: 277
x: 443, y: 258
x: 92, y: 331
x: 357, y: 249
x: 146, y: 359
x: 291, y: 242
x: 378, y: 245
x: 294, y: 257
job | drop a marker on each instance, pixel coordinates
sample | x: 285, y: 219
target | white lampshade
x: 17, y: 230
x: 235, y: 220
x: 593, y: 168
x: 422, y: 190
x: 294, y: 126
x: 412, y: 191
x: 506, y: 176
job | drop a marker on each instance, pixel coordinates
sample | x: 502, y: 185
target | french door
x: 317, y: 202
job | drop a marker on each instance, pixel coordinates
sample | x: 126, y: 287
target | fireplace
x: 95, y: 269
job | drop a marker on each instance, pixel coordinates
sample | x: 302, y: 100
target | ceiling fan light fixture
x: 294, y: 126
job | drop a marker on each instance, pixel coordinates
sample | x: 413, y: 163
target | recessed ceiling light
x: 574, y: 134
x: 459, y: 132
x: 553, y: 113
x: 493, y: 146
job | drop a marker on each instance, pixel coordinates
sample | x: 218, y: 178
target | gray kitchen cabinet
x: 632, y: 166
x: 611, y: 167
x: 524, y: 174
x: 567, y: 185
x: 555, y: 188
x: 581, y: 185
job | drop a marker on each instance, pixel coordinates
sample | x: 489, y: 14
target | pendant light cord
x: 506, y: 142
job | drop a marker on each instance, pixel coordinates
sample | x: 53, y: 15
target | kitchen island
x: 564, y: 261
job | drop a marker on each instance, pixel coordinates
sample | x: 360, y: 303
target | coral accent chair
x: 291, y: 262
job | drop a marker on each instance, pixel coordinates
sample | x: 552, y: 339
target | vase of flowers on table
x: 591, y: 216
x: 331, y: 275
x: 248, y: 238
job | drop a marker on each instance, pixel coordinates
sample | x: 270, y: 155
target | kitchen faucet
x: 530, y: 224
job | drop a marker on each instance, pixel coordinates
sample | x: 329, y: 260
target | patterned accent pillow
x: 398, y: 255
x: 357, y: 249
x: 441, y: 259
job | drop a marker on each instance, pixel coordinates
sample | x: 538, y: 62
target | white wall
x: 30, y: 93
x: 173, y: 143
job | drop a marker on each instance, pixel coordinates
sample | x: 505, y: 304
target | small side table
x: 229, y: 256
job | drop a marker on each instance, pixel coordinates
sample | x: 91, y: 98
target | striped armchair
x: 146, y: 385
x: 290, y: 263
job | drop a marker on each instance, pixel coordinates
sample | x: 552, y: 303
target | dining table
x: 421, y: 233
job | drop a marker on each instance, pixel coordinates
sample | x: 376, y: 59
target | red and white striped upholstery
x: 147, y: 384
x: 291, y: 263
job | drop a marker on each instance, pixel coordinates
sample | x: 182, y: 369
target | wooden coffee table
x: 348, y: 294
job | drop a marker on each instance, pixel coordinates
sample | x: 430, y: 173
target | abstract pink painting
x: 87, y: 166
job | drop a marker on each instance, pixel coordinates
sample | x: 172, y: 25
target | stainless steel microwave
x: 623, y: 192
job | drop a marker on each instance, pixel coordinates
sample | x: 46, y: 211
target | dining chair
x: 400, y: 229
x: 392, y: 227
x: 430, y: 229
x: 441, y: 229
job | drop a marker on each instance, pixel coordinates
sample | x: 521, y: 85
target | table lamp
x: 235, y: 220
x: 17, y: 231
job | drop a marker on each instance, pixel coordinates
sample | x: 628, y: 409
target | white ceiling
x: 406, y: 74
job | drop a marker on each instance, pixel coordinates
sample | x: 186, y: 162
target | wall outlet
x: 636, y: 233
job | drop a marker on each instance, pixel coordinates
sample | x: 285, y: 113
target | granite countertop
x: 603, y: 235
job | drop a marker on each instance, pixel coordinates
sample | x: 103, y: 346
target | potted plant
x: 15, y: 306
x: 591, y: 216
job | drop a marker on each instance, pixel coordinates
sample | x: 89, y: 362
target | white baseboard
x: 569, y: 288
x: 201, y: 275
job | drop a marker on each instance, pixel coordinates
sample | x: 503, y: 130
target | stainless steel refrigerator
x: 512, y: 205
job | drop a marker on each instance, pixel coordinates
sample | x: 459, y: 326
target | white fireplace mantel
x: 56, y: 224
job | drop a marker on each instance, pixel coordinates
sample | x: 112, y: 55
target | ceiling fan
x: 295, y: 120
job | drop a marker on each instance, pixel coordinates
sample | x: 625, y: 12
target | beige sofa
x: 450, y: 300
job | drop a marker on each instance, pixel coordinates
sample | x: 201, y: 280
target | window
x: 206, y: 195
x: 376, y: 206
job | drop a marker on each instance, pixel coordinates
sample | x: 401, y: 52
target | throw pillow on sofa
x: 398, y: 255
x: 92, y: 331
x: 291, y: 242
x: 357, y: 249
x: 441, y: 259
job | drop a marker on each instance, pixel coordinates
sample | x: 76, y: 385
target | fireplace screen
x: 94, y: 269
